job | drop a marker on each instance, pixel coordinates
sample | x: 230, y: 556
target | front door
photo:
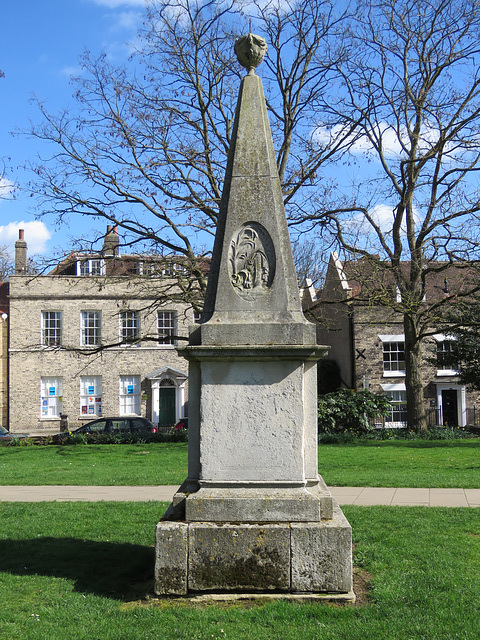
x: 450, y: 407
x: 166, y: 415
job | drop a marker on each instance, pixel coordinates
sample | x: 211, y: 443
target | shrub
x: 433, y: 433
x: 351, y: 412
x: 118, y: 437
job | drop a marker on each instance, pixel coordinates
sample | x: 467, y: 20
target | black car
x: 120, y: 424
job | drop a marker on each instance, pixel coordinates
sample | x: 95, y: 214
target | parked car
x: 6, y: 435
x: 114, y: 425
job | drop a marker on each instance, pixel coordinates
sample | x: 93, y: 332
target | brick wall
x: 3, y: 372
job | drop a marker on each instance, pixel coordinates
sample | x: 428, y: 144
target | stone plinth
x: 204, y: 557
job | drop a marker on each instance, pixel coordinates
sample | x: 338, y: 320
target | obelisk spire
x: 252, y: 283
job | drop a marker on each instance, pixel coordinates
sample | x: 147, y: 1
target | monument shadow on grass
x: 114, y: 570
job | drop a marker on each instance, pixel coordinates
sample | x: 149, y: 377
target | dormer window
x: 161, y: 269
x: 91, y: 267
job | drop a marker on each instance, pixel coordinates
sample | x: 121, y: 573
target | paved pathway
x: 364, y: 496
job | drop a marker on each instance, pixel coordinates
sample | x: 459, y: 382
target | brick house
x: 4, y: 354
x: 93, y: 338
x: 367, y: 340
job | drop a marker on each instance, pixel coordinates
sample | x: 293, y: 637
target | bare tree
x: 147, y: 148
x: 411, y: 87
x: 309, y: 258
x: 7, y: 266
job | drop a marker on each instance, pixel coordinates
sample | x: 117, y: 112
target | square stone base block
x: 290, y: 557
x: 259, y: 505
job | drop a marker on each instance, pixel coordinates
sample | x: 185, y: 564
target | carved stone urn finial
x: 250, y: 50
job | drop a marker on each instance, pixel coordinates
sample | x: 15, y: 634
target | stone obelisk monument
x: 253, y: 516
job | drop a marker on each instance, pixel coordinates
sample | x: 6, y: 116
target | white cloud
x: 71, y: 71
x: 390, y: 141
x: 393, y: 141
x: 382, y: 216
x: 36, y: 236
x: 128, y: 20
x: 6, y: 187
x: 271, y: 5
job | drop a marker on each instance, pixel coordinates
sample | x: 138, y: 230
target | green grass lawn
x: 444, y: 463
x: 418, y: 463
x: 81, y: 571
x: 106, y: 464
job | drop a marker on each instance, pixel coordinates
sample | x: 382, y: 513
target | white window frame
x: 51, y: 397
x: 90, y: 397
x: 90, y: 267
x: 129, y: 396
x: 392, y: 339
x: 441, y: 338
x: 126, y: 327
x: 392, y: 392
x: 94, y: 331
x: 166, y: 328
x: 56, y: 328
x: 151, y: 269
x: 161, y: 268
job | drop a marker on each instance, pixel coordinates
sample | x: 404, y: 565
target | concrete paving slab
x: 375, y: 496
x: 411, y: 497
x: 346, y: 495
x: 448, y: 498
x: 473, y: 497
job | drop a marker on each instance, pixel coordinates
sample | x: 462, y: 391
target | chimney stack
x: 20, y: 255
x: 111, y: 242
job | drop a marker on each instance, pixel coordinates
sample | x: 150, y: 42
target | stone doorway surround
x: 162, y: 376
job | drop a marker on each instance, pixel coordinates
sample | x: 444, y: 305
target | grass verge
x: 106, y: 464
x: 418, y: 463
x: 81, y: 571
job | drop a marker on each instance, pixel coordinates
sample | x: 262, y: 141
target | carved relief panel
x: 251, y: 261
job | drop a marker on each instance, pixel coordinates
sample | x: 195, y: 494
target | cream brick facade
x: 156, y: 365
x: 3, y: 372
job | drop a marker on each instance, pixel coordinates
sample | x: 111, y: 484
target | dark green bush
x: 118, y: 437
x: 346, y: 411
x: 433, y: 433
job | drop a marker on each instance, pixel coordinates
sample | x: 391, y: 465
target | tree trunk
x: 416, y: 416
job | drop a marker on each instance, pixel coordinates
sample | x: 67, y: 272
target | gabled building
x: 96, y: 336
x: 360, y: 320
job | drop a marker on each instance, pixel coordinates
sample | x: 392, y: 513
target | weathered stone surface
x: 262, y: 520
x: 171, y: 554
x: 229, y: 504
x: 238, y: 557
x: 322, y: 555
x: 262, y: 333
x: 252, y: 198
x: 263, y: 400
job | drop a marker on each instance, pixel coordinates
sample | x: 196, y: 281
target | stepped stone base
x: 287, y: 557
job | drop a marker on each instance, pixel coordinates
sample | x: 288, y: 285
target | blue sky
x: 40, y: 45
